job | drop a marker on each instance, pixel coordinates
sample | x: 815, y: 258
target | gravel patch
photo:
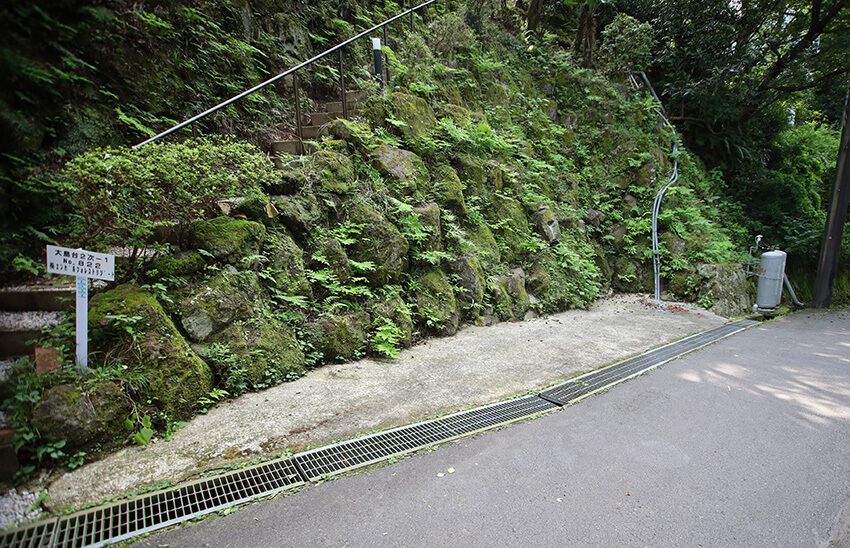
x: 29, y: 321
x: 16, y: 508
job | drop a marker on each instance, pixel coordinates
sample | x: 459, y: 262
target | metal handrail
x: 293, y: 70
x: 674, y: 177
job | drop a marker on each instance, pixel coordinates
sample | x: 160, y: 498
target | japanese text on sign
x: 80, y: 263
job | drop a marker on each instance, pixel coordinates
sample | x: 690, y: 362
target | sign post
x: 84, y: 265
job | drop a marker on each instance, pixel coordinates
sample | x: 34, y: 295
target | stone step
x: 313, y: 132
x: 291, y: 147
x: 320, y: 118
x: 18, y: 328
x: 336, y: 107
x: 30, y: 298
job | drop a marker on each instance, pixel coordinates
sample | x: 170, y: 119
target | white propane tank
x: 771, y: 275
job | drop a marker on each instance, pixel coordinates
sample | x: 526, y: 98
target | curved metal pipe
x: 656, y: 205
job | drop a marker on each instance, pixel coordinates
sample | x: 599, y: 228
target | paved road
x: 744, y: 443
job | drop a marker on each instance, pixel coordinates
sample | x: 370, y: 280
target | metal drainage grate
x: 39, y: 535
x: 587, y: 384
x: 347, y: 455
x: 127, y: 519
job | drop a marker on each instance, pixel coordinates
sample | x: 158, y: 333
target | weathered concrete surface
x: 478, y: 365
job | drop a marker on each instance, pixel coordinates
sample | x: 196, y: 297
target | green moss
x: 228, y: 240
x: 177, y: 377
x: 256, y: 354
x: 511, y: 298
x: 406, y: 173
x: 339, y: 337
x: 448, y: 189
x: 209, y: 305
x: 418, y: 117
x: 379, y: 242
x: 399, y: 313
x: 436, y: 307
x: 182, y: 264
x: 479, y: 241
x: 511, y: 227
x: 286, y: 265
x: 357, y: 134
x: 336, y: 173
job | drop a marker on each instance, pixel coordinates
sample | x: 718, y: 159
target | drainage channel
x: 123, y: 520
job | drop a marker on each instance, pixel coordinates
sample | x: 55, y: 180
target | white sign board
x: 84, y: 265
x: 80, y: 263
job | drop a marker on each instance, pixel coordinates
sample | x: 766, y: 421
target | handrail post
x: 386, y: 63
x: 297, y: 113
x: 342, y: 86
x: 194, y: 132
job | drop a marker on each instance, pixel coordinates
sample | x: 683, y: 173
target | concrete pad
x: 479, y: 365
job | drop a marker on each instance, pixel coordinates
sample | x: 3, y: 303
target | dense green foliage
x: 438, y: 205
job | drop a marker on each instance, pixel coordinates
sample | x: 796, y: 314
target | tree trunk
x: 586, y: 37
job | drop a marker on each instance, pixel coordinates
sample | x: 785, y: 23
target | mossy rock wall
x: 177, y: 377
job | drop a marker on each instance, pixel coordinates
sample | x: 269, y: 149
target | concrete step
x: 30, y: 298
x: 313, y: 132
x: 336, y: 107
x: 292, y: 147
x: 320, y: 118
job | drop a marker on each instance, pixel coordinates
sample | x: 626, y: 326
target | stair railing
x: 294, y: 72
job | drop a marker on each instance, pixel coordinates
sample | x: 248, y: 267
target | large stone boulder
x: 397, y: 311
x: 231, y: 241
x: 339, y: 337
x: 130, y: 321
x: 436, y: 307
x: 406, y: 173
x: 479, y: 241
x: 546, y: 225
x: 286, y: 265
x: 254, y: 355
x: 469, y: 280
x: 380, y: 242
x: 336, y: 172
x: 448, y: 190
x: 417, y: 117
x: 83, y: 418
x: 511, y: 227
x: 512, y: 300
x: 725, y: 289
x: 429, y: 217
x: 207, y: 306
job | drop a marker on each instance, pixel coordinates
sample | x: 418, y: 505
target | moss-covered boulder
x: 231, y: 241
x: 177, y: 377
x: 406, y: 173
x: 537, y: 280
x: 458, y: 114
x: 397, y: 311
x: 511, y: 298
x: 84, y: 419
x: 355, y: 133
x: 428, y: 216
x: 336, y: 172
x: 259, y: 209
x: 725, y: 289
x: 511, y: 227
x: 180, y: 264
x: 546, y: 225
x: 330, y: 254
x: 209, y: 305
x: 448, y: 190
x: 380, y: 242
x: 339, y: 337
x: 255, y: 354
x: 286, y: 265
x: 479, y: 241
x: 436, y: 307
x: 631, y: 275
x: 301, y: 214
x: 418, y: 117
x: 468, y: 277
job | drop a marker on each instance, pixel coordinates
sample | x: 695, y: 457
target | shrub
x: 118, y: 195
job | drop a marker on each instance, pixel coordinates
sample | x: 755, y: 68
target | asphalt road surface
x: 743, y: 443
